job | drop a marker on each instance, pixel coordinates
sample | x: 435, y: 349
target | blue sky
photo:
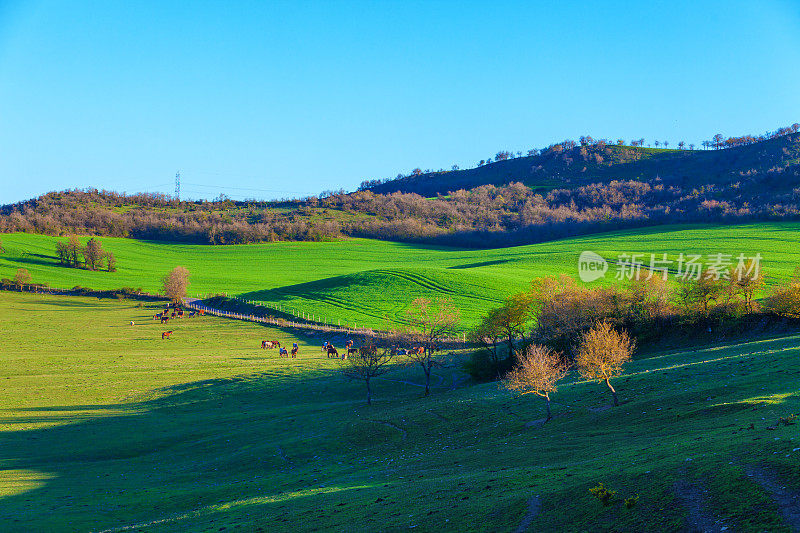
x: 275, y: 99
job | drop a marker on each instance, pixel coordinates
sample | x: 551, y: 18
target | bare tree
x: 366, y: 364
x: 745, y: 280
x: 111, y: 262
x: 513, y: 316
x: 74, y: 250
x: 22, y: 277
x: 602, y: 353
x: 489, y: 335
x: 429, y: 323
x: 93, y: 254
x: 176, y: 283
x: 539, y: 370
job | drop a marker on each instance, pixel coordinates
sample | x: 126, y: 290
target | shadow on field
x: 196, y: 445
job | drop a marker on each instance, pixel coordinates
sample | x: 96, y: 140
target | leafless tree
x: 176, y: 283
x: 366, y: 364
x: 429, y: 322
x: 538, y: 371
x: 93, y: 254
x: 602, y: 353
x: 22, y: 277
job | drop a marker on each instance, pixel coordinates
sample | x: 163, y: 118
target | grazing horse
x: 332, y: 352
x: 270, y: 344
x: 294, y: 352
x: 417, y: 350
x: 164, y: 319
x: 156, y: 316
x: 165, y: 335
x: 351, y: 351
x: 283, y: 353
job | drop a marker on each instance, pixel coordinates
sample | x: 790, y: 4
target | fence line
x: 283, y: 323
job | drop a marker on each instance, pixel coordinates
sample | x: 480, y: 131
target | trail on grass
x: 693, y: 498
x: 788, y: 500
x: 534, y: 506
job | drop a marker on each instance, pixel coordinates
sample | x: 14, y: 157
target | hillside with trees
x: 569, y: 188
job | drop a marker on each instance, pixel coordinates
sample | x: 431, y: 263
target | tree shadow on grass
x: 198, y: 444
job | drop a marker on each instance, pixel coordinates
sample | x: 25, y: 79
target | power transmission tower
x: 178, y: 185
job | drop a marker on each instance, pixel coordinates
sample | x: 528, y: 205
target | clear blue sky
x: 292, y: 98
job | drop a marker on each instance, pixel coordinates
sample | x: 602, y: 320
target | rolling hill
x: 582, y: 165
x: 371, y: 283
x: 107, y: 428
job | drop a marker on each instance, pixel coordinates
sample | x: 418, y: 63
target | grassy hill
x: 370, y: 282
x: 106, y: 427
x: 600, y: 164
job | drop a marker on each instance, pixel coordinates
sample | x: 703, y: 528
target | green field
x: 107, y: 427
x: 371, y: 283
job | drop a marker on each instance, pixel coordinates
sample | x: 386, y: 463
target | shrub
x: 603, y: 494
x: 631, y: 502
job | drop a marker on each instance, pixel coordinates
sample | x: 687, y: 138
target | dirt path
x: 534, y: 506
x: 393, y: 426
x: 694, y: 500
x: 788, y: 500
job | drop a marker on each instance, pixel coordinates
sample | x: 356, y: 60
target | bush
x: 482, y: 368
x: 603, y: 494
x: 631, y: 502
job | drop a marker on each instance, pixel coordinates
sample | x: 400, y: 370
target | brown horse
x: 294, y: 352
x: 332, y: 352
x: 164, y: 319
x: 165, y: 335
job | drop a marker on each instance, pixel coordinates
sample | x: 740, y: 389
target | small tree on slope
x: 176, y: 283
x: 602, y: 353
x: 366, y: 364
x: 538, y: 371
x: 430, y: 322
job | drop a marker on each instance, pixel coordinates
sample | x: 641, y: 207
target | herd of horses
x: 165, y: 315
x: 349, y: 349
x: 327, y: 347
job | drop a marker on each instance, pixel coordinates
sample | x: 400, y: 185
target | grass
x: 367, y: 282
x: 105, y: 426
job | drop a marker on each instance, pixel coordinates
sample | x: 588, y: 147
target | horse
x: 332, y: 352
x: 417, y: 350
x: 270, y: 344
x: 351, y: 351
x: 156, y: 316
x: 164, y: 319
x: 294, y: 352
x: 165, y: 335
x: 325, y: 345
x: 283, y: 353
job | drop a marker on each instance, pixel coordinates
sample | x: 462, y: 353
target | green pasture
x: 368, y: 282
x: 105, y: 427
